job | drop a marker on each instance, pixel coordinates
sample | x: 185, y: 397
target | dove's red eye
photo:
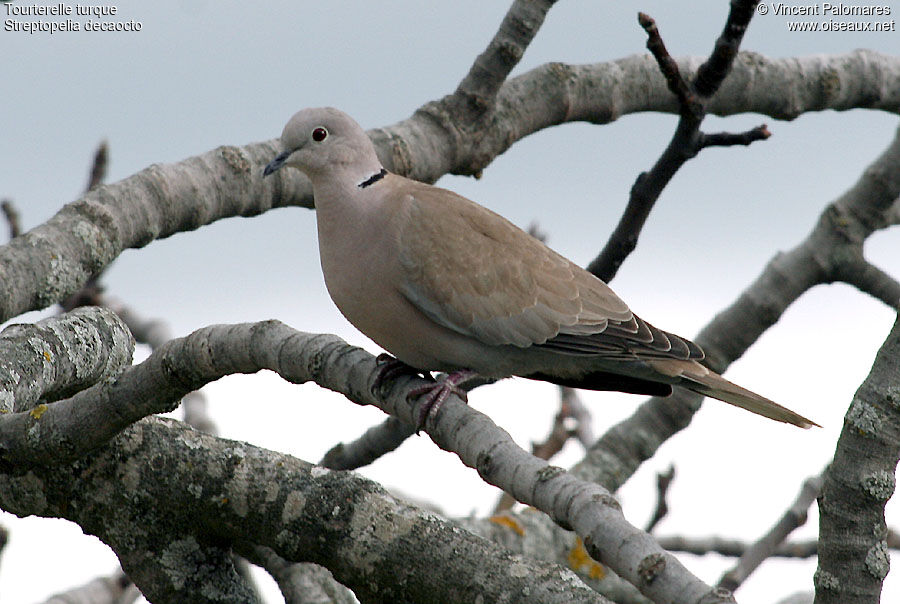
x: 319, y: 134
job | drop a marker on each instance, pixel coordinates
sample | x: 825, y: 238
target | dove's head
x: 322, y: 141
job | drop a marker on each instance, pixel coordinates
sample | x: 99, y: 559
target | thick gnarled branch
x: 59, y: 356
x: 218, y: 491
x: 854, y: 557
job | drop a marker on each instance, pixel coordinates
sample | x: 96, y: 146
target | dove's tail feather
x: 714, y: 385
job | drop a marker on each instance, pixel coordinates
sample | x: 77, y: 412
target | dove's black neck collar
x: 373, y: 179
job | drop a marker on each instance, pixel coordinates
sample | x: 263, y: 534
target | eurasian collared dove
x: 446, y: 285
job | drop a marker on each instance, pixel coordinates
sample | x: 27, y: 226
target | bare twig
x: 713, y: 72
x: 374, y: 443
x: 729, y: 139
x: 103, y: 590
x: 12, y: 218
x: 663, y: 481
x: 687, y: 141
x: 793, y: 517
x: 490, y: 69
x: 98, y: 168
x: 736, y: 548
x: 667, y: 64
x: 579, y: 412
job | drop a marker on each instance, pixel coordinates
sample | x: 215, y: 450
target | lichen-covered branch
x: 59, y: 356
x: 184, y: 497
x: 854, y: 557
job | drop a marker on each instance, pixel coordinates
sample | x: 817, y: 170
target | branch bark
x: 854, y: 556
x: 372, y: 444
x: 59, y: 356
x: 183, y: 497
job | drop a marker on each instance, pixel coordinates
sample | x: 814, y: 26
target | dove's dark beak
x: 276, y: 163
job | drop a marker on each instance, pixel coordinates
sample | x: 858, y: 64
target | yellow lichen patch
x: 38, y: 411
x: 47, y: 356
x: 580, y: 561
x: 509, y: 522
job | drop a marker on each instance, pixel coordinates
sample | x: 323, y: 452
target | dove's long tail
x: 714, y: 385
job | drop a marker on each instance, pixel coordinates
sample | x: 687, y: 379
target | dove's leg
x: 438, y: 392
x: 390, y: 368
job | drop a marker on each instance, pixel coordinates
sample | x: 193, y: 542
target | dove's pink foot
x: 438, y: 392
x: 390, y: 368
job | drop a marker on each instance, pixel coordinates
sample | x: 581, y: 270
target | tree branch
x: 552, y: 444
x: 714, y: 71
x: 736, y: 548
x: 12, y: 218
x: 103, y: 590
x: 686, y: 142
x: 853, y: 550
x: 869, y: 279
x: 59, y: 356
x: 728, y: 139
x: 300, y: 583
x: 372, y: 444
x: 667, y: 65
x: 158, y: 477
x: 795, y: 516
x: 185, y: 364
x: 490, y: 69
